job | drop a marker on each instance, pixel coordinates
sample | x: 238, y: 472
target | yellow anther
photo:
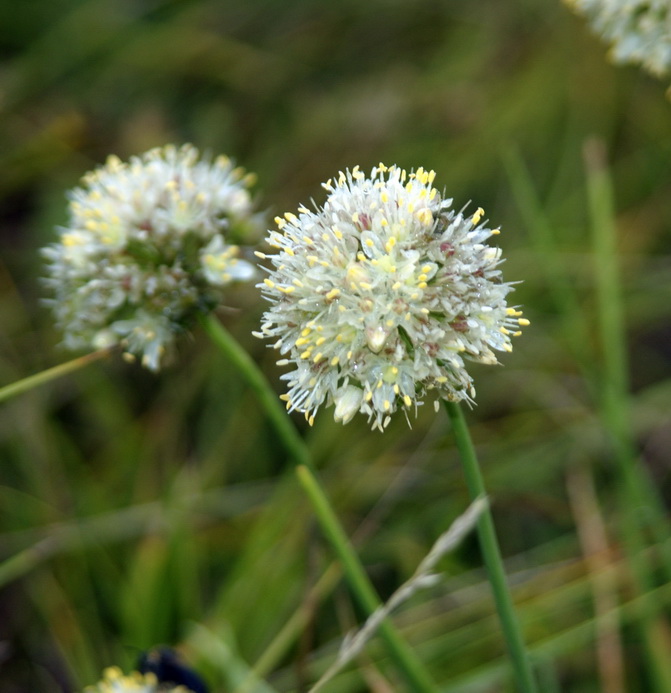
x: 389, y: 245
x: 407, y: 401
x: 259, y: 254
x: 503, y: 330
x: 422, y: 285
x: 320, y: 341
x: 441, y: 379
x: 523, y: 322
x: 270, y: 284
x: 478, y: 215
x: 334, y: 361
x: 387, y: 405
x: 306, y: 354
x: 306, y: 331
x: 333, y: 293
x: 318, y: 357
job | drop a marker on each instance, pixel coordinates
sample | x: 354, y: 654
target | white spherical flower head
x: 639, y: 31
x: 149, y: 244
x: 380, y: 296
x: 114, y: 681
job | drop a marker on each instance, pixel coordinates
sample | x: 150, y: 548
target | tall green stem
x: 407, y: 662
x: 642, y: 505
x: 20, y: 386
x: 491, y: 553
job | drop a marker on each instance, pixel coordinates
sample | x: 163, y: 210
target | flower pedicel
x: 380, y: 296
x: 147, y: 248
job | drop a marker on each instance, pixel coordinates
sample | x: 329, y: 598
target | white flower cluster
x: 114, y: 681
x: 639, y: 31
x: 147, y: 248
x: 379, y: 296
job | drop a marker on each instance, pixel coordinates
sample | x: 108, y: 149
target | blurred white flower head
x: 114, y: 681
x: 149, y: 244
x: 638, y: 31
x: 380, y: 296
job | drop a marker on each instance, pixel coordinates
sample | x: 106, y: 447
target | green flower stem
x: 491, y: 553
x: 20, y: 386
x: 361, y: 586
x: 641, y: 503
x: 407, y: 662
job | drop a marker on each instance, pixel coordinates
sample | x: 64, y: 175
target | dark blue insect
x: 168, y: 667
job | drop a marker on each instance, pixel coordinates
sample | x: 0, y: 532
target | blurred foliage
x: 155, y: 509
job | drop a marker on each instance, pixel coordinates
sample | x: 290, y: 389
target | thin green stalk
x: 638, y: 497
x: 359, y: 582
x: 615, y: 367
x: 642, y: 505
x: 32, y: 381
x: 406, y: 660
x: 492, y: 554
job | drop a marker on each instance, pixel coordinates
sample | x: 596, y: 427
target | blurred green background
x: 159, y: 509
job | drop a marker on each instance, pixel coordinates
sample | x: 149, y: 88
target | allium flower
x: 115, y: 682
x: 639, y: 31
x: 147, y: 247
x: 380, y: 296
